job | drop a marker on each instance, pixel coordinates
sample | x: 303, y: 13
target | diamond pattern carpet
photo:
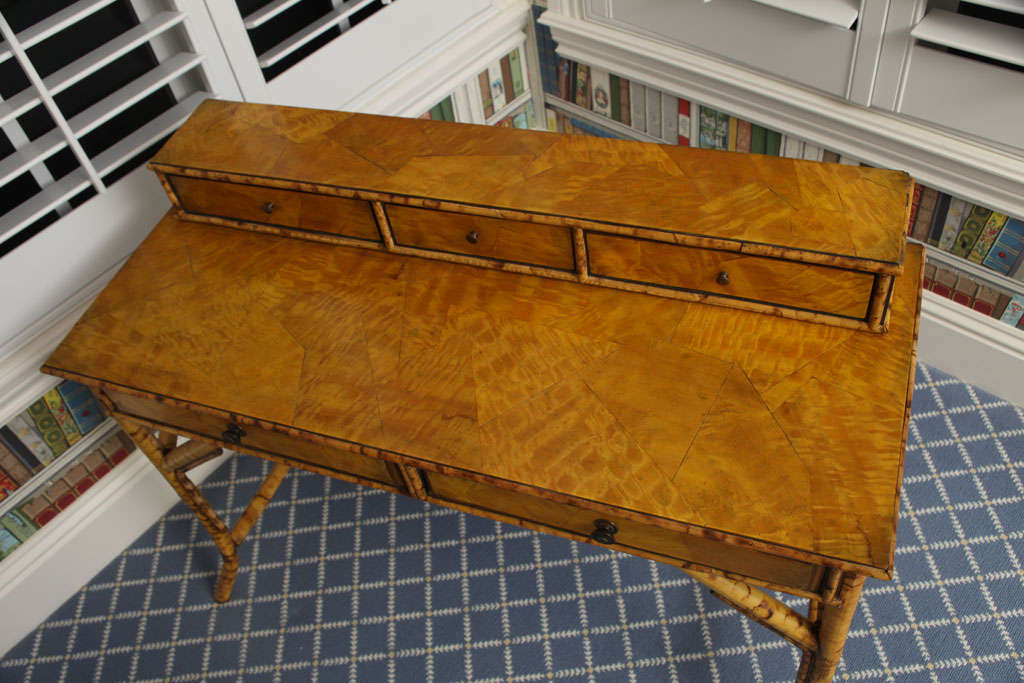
x: 343, y: 583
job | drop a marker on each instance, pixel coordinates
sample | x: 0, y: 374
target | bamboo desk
x: 315, y: 309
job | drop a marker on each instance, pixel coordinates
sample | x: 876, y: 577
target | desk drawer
x: 255, y: 438
x: 273, y: 206
x: 766, y: 280
x: 630, y: 535
x: 494, y: 238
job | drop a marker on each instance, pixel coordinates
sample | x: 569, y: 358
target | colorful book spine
x: 939, y: 219
x: 928, y: 279
x: 97, y: 464
x: 583, y: 86
x: 7, y: 483
x: 683, y: 123
x: 708, y: 118
x: 985, y: 300
x: 1014, y: 310
x: 722, y: 131
x: 830, y: 157
x: 19, y: 524
x: 39, y: 510
x: 506, y: 78
x: 925, y: 213
x: 969, y: 231
x: 615, y: 93
x: 497, y: 86
x: 1008, y: 247
x: 8, y: 542
x: 435, y: 112
x: 62, y: 414
x: 48, y: 427
x: 637, y: 106
x: 486, y: 101
x: 743, y: 130
x: 29, y: 442
x: 734, y: 129
x: 552, y: 118
x: 945, y: 281
x: 793, y: 148
x: 915, y: 202
x: 13, y: 466
x: 518, y: 77
x: 653, y: 108
x: 447, y: 109
x: 625, y: 102
x: 772, y: 142
x: 987, y: 237
x: 564, y: 68
x: 964, y: 290
x: 812, y: 152
x: 958, y: 210
x: 669, y: 118
x: 1001, y: 304
x: 600, y: 92
x: 757, y: 139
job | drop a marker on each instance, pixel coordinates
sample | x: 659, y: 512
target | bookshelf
x: 974, y: 162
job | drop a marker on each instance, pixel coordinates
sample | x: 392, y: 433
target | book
x: 944, y: 282
x: 958, y: 210
x: 552, y: 119
x: 47, y: 426
x: 929, y: 276
x: 39, y: 510
x: 653, y: 112
x: 485, y: 94
x: 812, y: 152
x: 721, y: 131
x: 564, y: 68
x: 435, y: 112
x: 964, y: 290
x: 925, y: 212
x: 915, y: 201
x: 506, y: 78
x: 600, y: 92
x: 19, y: 524
x: 7, y: 483
x: 13, y: 466
x: 615, y: 92
x: 518, y: 77
x: 637, y: 106
x: 497, y: 85
x: 625, y: 105
x: 8, y: 542
x: 969, y: 231
x: 830, y: 157
x: 793, y: 148
x: 61, y: 413
x: 772, y: 142
x: 1014, y: 310
x: 1008, y: 247
x: 114, y: 450
x: 1000, y: 306
x: 743, y: 135
x: 757, y: 139
x: 939, y: 218
x: 85, y: 409
x: 80, y: 478
x: 583, y: 85
x: 987, y: 237
x: 447, y: 109
x: 733, y: 133
x: 985, y: 300
x: 848, y: 160
x: 97, y: 463
x: 684, y: 123
x: 669, y: 119
x: 25, y: 455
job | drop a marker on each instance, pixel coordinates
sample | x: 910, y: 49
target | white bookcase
x: 872, y: 117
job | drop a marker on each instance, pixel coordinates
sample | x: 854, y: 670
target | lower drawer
x: 274, y: 206
x: 255, y: 438
x: 631, y: 535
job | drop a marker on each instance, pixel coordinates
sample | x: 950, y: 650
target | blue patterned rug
x: 383, y: 587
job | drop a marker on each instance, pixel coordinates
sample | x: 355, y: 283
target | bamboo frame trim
x: 877, y: 309
x: 258, y: 503
x: 762, y: 608
x: 782, y: 551
x: 384, y: 226
x: 189, y: 454
x: 657, y: 234
x: 579, y: 250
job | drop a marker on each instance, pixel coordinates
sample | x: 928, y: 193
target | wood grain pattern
x: 618, y: 402
x: 772, y: 281
x: 808, y: 207
x: 304, y: 210
x: 503, y: 240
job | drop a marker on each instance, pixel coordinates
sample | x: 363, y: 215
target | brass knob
x: 723, y: 278
x: 473, y: 237
x: 604, y: 531
x: 233, y: 434
x: 268, y: 207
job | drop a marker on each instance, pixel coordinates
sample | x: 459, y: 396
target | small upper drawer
x: 252, y: 437
x: 274, y: 206
x: 629, y: 535
x: 492, y: 238
x: 770, y: 281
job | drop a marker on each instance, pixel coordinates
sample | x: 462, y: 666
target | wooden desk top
x: 853, y: 214
x: 779, y: 434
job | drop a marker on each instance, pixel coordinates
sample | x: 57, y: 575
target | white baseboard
x: 68, y: 552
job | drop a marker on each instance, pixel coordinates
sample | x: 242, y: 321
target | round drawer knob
x: 268, y: 207
x: 233, y: 434
x: 473, y: 237
x: 604, y: 531
x: 723, y: 278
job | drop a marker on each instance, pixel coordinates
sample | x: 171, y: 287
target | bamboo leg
x: 188, y: 492
x: 835, y: 624
x: 259, y: 501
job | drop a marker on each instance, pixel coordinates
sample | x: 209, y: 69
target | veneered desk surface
x: 752, y: 198
x: 782, y: 432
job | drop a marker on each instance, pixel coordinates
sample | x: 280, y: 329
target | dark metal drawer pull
x: 473, y: 237
x: 268, y: 207
x: 604, y: 531
x: 723, y: 278
x: 233, y: 434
